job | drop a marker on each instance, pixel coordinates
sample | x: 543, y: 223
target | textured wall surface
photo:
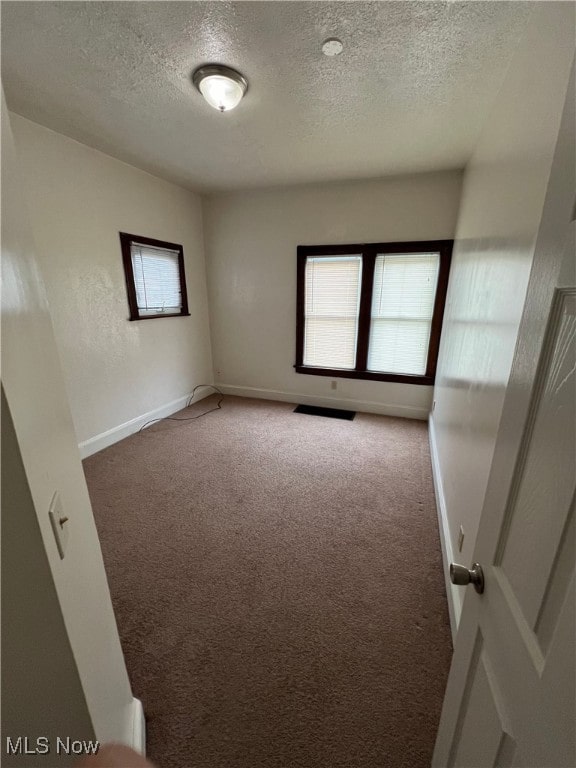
x: 32, y: 681
x: 34, y: 386
x: 408, y: 94
x: 502, y: 203
x: 79, y: 199
x: 251, y: 260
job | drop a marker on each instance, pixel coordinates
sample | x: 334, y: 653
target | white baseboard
x: 453, y: 593
x: 114, y: 435
x: 138, y: 727
x: 366, y: 406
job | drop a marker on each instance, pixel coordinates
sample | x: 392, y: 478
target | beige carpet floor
x: 278, y: 587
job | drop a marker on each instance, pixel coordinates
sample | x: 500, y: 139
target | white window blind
x: 402, y: 308
x: 157, y: 279
x: 331, y: 309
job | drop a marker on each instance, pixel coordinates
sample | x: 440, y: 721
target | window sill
x: 162, y: 314
x: 340, y: 373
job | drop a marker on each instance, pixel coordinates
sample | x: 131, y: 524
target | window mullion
x: 439, y: 304
x: 368, y: 261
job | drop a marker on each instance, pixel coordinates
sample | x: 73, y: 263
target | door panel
x: 545, y: 479
x: 558, y: 584
x: 483, y: 737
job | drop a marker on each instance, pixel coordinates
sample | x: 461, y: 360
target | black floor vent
x: 331, y: 413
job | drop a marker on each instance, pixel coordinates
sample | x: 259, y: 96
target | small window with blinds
x: 155, y: 280
x: 332, y: 305
x: 372, y: 311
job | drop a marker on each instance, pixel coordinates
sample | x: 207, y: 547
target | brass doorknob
x: 461, y: 576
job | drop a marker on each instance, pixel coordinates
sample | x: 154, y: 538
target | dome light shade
x: 222, y: 87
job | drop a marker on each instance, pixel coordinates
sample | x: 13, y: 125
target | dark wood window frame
x: 126, y: 240
x: 369, y: 251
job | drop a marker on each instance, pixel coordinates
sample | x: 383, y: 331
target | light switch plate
x: 60, y: 524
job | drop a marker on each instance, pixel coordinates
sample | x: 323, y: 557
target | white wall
x: 35, y: 393
x: 29, y: 600
x: 251, y: 242
x: 79, y: 199
x: 502, y: 202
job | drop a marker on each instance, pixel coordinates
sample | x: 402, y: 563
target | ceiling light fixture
x: 222, y: 87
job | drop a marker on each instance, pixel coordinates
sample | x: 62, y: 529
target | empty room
x: 288, y: 384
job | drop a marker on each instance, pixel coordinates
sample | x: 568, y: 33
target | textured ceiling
x: 409, y: 93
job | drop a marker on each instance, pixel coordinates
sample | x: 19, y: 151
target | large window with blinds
x: 371, y: 311
x: 155, y: 279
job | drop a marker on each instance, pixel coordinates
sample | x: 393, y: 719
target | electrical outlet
x: 59, y: 523
x: 460, y: 539
x: 333, y: 385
